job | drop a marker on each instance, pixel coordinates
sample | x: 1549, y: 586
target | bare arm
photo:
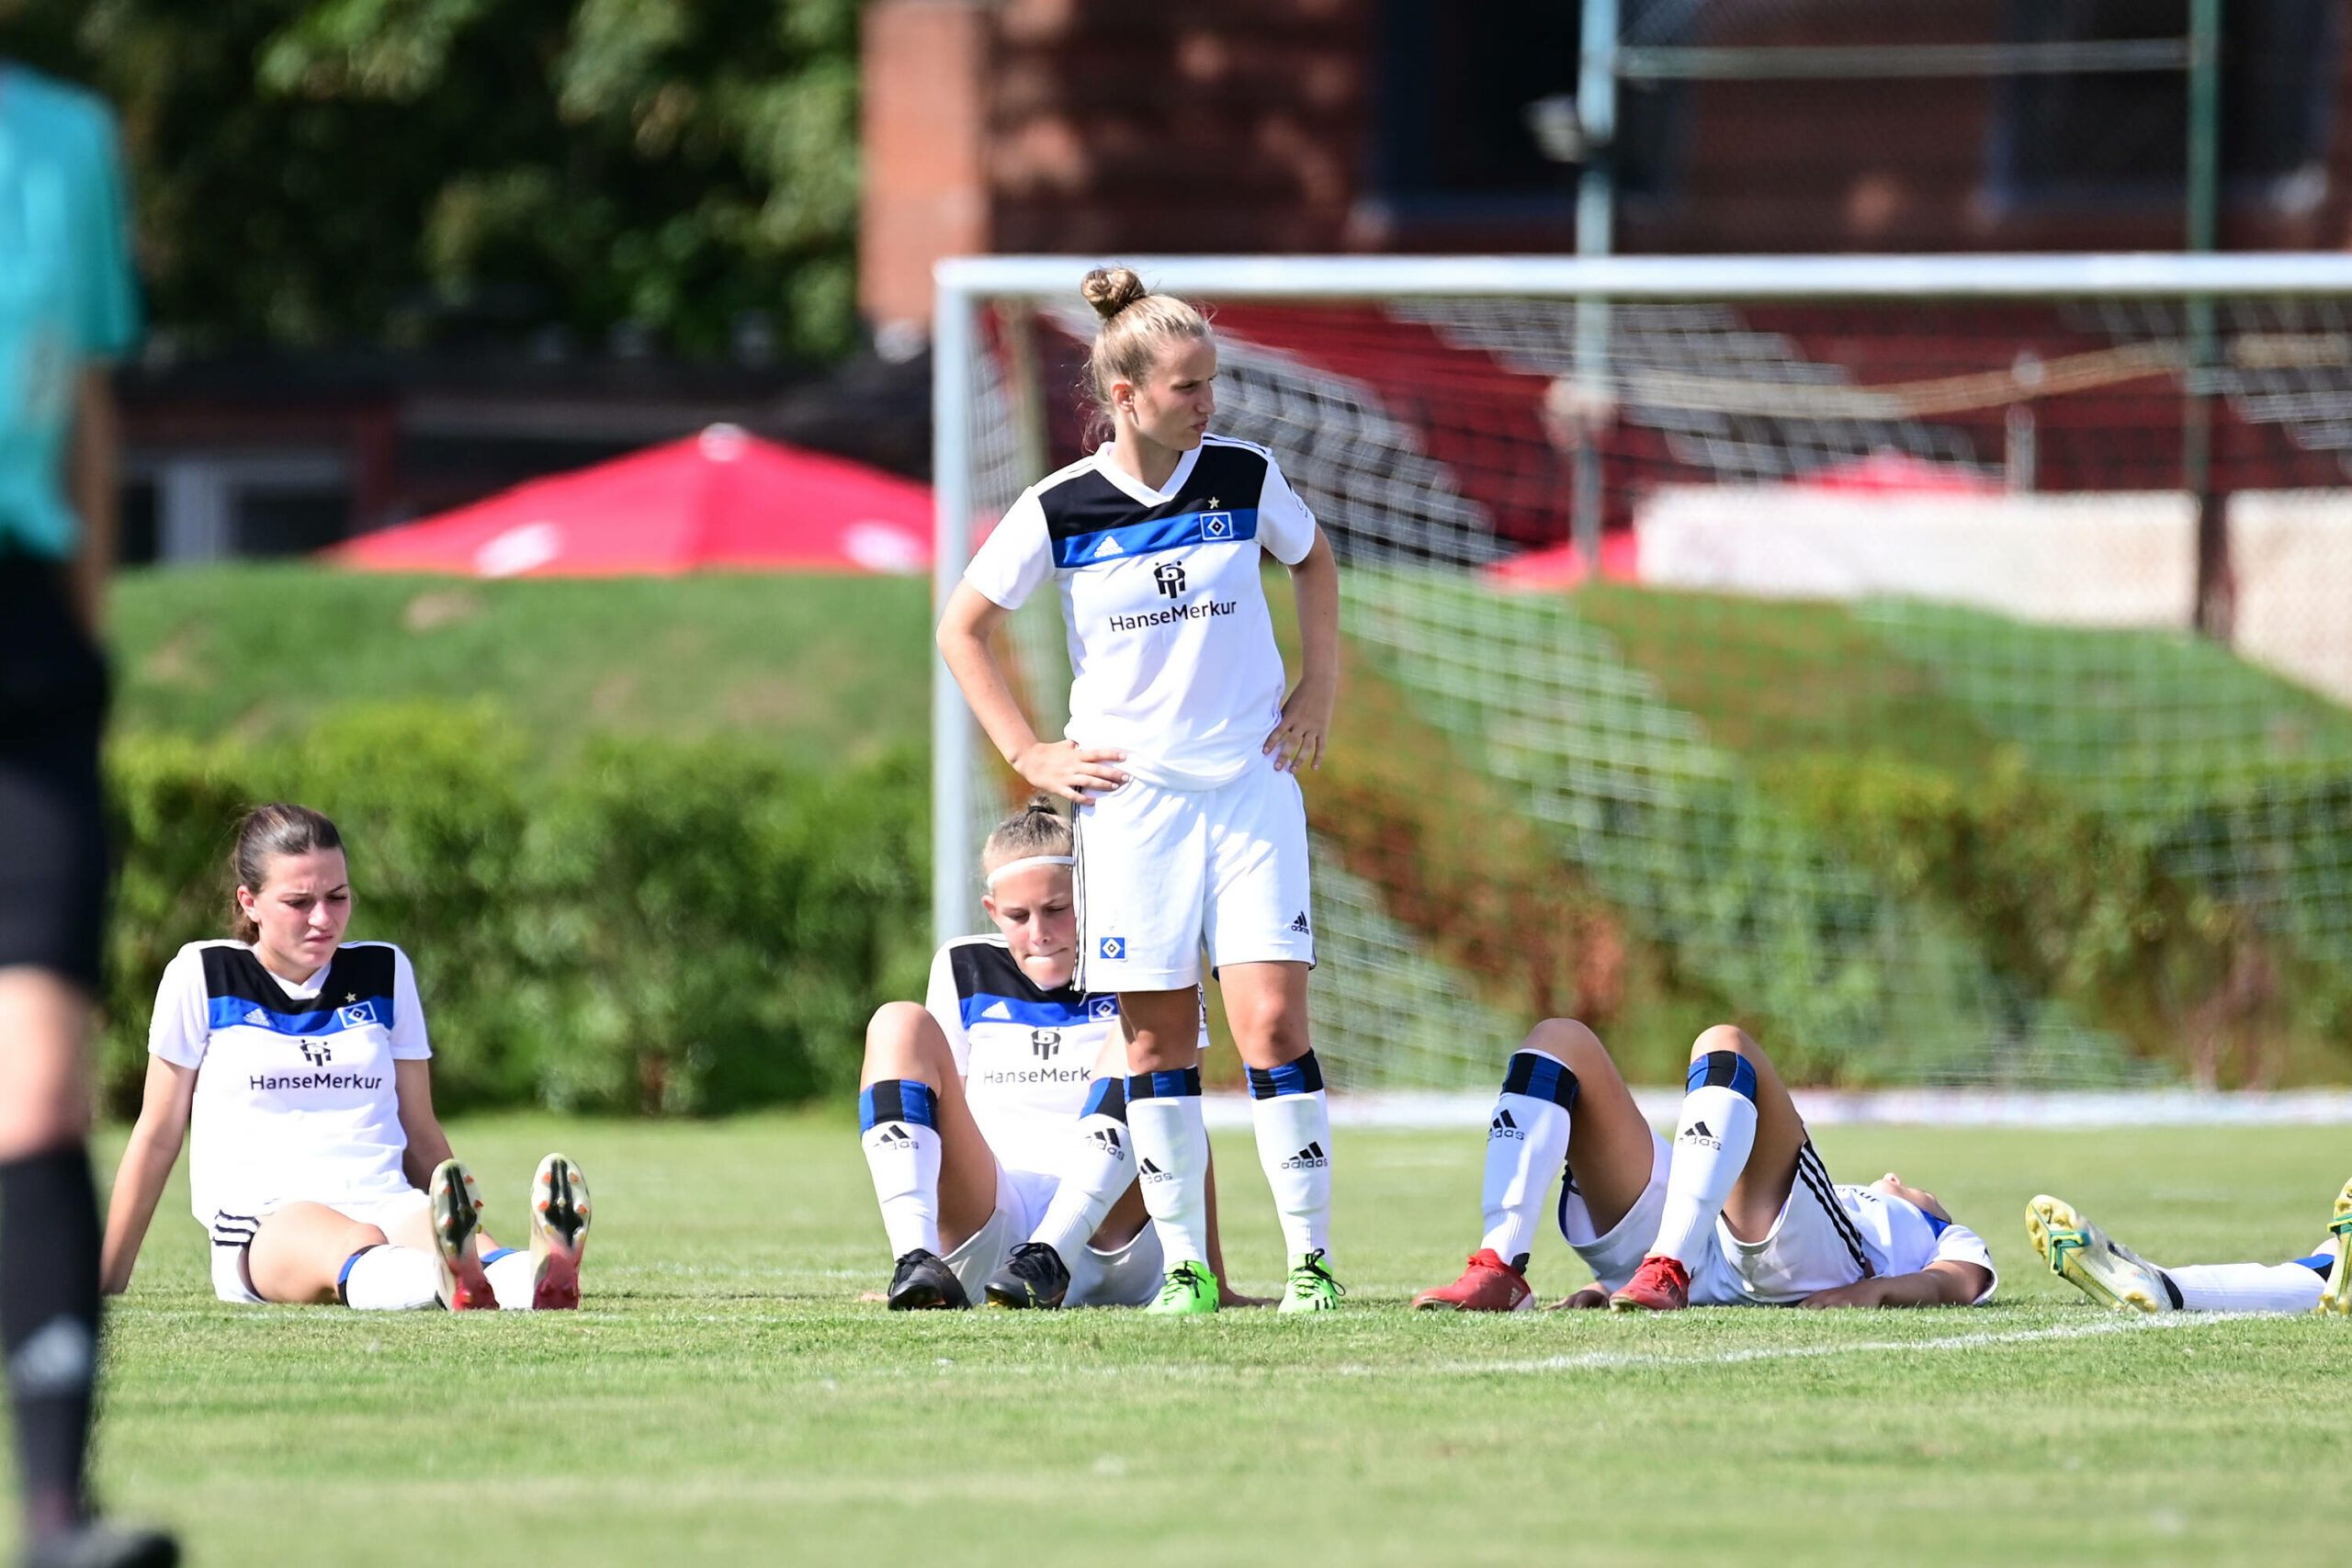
x: 428, y: 1146
x: 1058, y: 767
x: 147, y: 1161
x: 1938, y: 1284
x: 90, y: 487
x: 1307, y: 715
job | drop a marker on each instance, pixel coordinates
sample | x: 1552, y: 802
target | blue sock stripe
x: 1164, y: 1085
x: 1302, y: 1077
x: 1539, y: 1077
x: 490, y: 1257
x: 1725, y: 1069
x: 343, y: 1275
x: 898, y: 1100
x: 2319, y: 1263
x: 1107, y: 1098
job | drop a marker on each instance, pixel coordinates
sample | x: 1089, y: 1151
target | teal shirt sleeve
x: 105, y: 315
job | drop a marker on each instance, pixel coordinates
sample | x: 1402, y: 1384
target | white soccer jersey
x: 1899, y: 1237
x: 1027, y: 1054
x: 294, y: 1097
x: 1171, y: 649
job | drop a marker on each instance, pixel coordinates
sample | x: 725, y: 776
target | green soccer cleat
x: 1189, y: 1291
x: 1310, y: 1287
x: 2084, y: 1257
x: 2336, y: 1300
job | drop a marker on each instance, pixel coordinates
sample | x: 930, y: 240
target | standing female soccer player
x: 301, y: 1062
x: 1179, y: 755
x: 994, y: 1116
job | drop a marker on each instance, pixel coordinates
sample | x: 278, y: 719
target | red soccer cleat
x: 1661, y: 1284
x: 1489, y: 1284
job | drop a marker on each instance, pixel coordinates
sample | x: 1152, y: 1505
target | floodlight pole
x: 2215, y: 610
x: 1596, y: 224
x: 955, y: 340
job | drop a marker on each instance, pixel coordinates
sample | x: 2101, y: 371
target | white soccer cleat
x: 2336, y: 1300
x: 456, y: 1220
x: 558, y: 1234
x: 2094, y: 1263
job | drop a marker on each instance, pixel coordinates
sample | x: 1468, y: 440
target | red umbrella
x: 718, y: 501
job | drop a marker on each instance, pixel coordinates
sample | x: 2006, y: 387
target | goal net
x: 1938, y: 666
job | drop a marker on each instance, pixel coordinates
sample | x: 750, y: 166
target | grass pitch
x: 727, y: 1398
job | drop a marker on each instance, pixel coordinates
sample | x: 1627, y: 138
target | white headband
x: 1013, y: 865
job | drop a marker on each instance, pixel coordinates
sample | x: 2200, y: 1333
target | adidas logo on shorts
x: 1311, y: 1157
x: 1502, y: 1126
x: 1298, y: 923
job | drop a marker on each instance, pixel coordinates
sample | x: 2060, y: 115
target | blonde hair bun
x: 1110, y: 289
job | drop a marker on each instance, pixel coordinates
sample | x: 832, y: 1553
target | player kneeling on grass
x: 1736, y: 1212
x: 301, y: 1062
x: 2114, y: 1276
x: 994, y: 1117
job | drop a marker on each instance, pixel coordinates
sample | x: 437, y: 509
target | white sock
x: 514, y: 1278
x: 1712, y: 1141
x: 1099, y: 1167
x: 2247, y: 1287
x: 902, y: 1142
x: 392, y: 1278
x: 1527, y: 1146
x: 1172, y: 1159
x: 1293, y: 1124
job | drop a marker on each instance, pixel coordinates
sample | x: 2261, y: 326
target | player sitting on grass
x: 1736, y: 1212
x: 2114, y: 1276
x: 301, y: 1063
x: 994, y: 1117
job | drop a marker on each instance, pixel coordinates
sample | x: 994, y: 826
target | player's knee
x: 894, y: 1040
x: 1724, y: 1037
x: 1276, y: 1035
x: 1567, y: 1041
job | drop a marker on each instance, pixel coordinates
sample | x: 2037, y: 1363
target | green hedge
x: 664, y: 929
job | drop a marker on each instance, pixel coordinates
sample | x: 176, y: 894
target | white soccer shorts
x: 1161, y: 872
x: 1129, y: 1277
x: 1807, y: 1249
x: 233, y: 1233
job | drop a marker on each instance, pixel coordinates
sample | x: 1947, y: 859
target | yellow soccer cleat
x: 2336, y: 1300
x: 2084, y: 1257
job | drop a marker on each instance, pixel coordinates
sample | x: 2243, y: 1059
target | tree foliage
x: 318, y: 171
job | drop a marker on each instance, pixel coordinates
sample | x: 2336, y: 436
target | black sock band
x: 2178, y: 1302
x: 49, y: 1323
x: 1539, y: 1077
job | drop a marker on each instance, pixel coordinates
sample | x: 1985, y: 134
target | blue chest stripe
x: 230, y: 1012
x: 982, y: 1008
x: 1105, y: 546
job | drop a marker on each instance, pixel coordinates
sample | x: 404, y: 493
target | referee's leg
x: 52, y: 873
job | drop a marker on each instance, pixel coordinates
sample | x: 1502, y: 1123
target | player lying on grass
x: 1736, y: 1212
x: 301, y: 1063
x: 2114, y: 1276
x: 994, y: 1117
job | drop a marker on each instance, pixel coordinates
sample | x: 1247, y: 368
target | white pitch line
x: 1603, y: 1360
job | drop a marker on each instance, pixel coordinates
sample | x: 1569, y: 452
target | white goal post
x: 2267, y: 333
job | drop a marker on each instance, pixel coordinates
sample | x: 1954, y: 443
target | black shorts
x: 52, y: 829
